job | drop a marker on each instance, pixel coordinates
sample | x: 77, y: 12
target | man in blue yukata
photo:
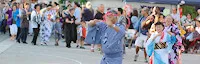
x: 109, y: 34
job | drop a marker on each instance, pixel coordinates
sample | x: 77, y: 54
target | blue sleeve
x: 171, y: 39
x: 119, y: 35
x: 150, y: 46
x: 93, y: 33
x: 137, y: 25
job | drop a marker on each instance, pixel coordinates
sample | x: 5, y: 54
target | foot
x: 146, y: 61
x: 56, y: 44
x: 18, y: 41
x: 77, y: 46
x: 92, y: 50
x: 136, y: 56
x: 99, y: 49
x: 82, y: 47
x: 25, y: 42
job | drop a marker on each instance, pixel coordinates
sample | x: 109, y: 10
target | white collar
x: 197, y: 29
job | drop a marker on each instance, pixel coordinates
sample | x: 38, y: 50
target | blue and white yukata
x: 160, y: 56
x: 46, y: 26
x: 110, y: 40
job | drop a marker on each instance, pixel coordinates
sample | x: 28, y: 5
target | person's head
x: 157, y: 10
x: 145, y: 11
x: 159, y: 27
x: 67, y: 3
x: 135, y: 12
x: 57, y: 19
x: 37, y: 7
x: 101, y: 8
x: 71, y: 10
x: 14, y: 7
x: 49, y: 7
x: 27, y: 6
x: 54, y: 4
x: 161, y: 18
x: 152, y: 17
x: 76, y: 4
x: 198, y: 11
x: 174, y: 10
x: 198, y: 21
x: 169, y: 20
x: 120, y: 11
x: 111, y: 16
x: 83, y: 23
x: 21, y: 6
x: 88, y: 5
x: 189, y: 16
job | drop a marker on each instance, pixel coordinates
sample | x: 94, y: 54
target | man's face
x: 174, y: 10
x: 101, y: 8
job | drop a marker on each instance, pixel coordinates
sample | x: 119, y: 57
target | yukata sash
x: 151, y: 51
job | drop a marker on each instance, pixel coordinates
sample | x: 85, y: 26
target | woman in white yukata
x: 46, y: 26
x: 160, y: 43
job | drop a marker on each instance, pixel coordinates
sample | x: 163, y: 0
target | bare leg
x: 92, y: 47
x: 137, y: 50
x: 145, y: 55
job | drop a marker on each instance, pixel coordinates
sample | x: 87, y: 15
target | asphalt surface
x: 19, y: 53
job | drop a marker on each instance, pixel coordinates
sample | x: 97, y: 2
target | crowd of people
x: 163, y: 38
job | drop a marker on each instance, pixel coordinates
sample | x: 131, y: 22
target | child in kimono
x: 109, y: 34
x: 57, y: 29
x: 159, y: 45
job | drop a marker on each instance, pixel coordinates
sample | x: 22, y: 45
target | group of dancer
x: 160, y: 36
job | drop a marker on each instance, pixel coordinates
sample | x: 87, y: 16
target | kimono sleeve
x: 171, y: 39
x: 119, y: 35
x: 150, y: 45
x: 92, y: 34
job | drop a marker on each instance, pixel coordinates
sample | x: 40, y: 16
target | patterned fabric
x: 177, y: 47
x: 110, y: 40
x: 46, y: 27
x: 160, y: 56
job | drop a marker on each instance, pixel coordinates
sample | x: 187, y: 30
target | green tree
x: 189, y: 9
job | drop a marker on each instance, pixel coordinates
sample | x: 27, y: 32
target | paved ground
x: 15, y: 53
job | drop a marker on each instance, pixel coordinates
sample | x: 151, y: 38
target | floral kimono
x: 174, y: 56
x: 46, y: 26
x: 160, y: 47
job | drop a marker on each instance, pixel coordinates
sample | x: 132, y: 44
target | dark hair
x: 162, y: 15
x: 49, y: 5
x: 56, y: 3
x: 37, y: 6
x: 77, y: 4
x: 159, y: 23
x: 135, y: 13
x: 120, y: 10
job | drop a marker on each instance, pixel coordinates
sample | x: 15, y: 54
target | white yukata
x: 46, y: 26
x: 160, y: 56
